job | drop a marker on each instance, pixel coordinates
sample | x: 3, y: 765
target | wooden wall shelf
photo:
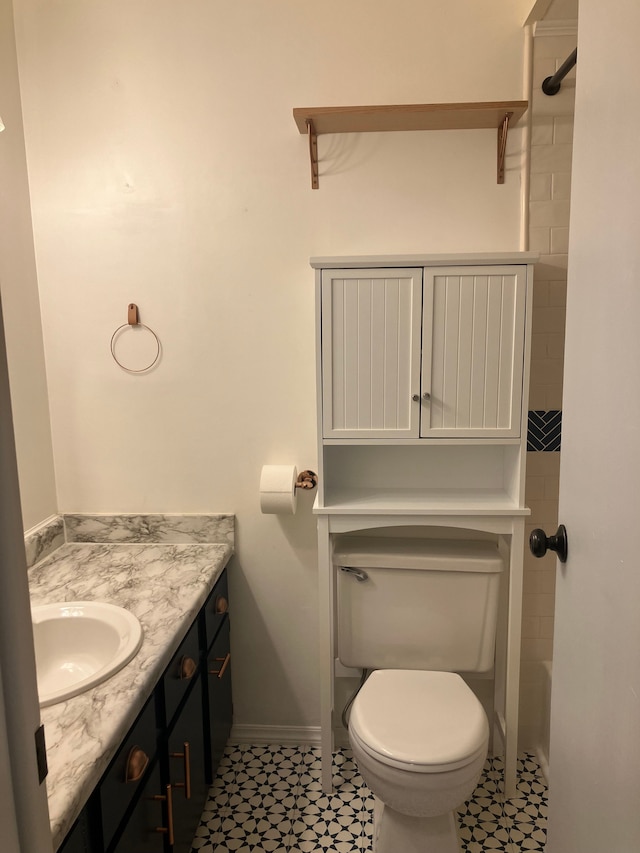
x: 497, y: 115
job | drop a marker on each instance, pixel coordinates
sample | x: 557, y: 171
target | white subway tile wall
x: 550, y: 185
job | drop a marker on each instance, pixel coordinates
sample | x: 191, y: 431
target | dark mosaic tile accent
x: 269, y: 798
x: 544, y: 430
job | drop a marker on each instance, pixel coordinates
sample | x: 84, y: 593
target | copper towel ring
x: 132, y: 320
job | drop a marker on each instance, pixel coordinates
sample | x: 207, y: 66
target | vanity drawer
x: 127, y: 771
x: 216, y: 608
x: 181, y: 672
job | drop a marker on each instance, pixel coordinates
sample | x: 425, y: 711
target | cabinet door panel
x: 220, y: 704
x: 126, y: 773
x: 77, y: 841
x: 371, y: 334
x: 472, y: 370
x: 145, y: 828
x: 186, y: 770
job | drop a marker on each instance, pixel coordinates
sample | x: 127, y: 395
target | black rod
x: 551, y: 85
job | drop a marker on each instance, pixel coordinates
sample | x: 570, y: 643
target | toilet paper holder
x: 306, y: 479
x: 280, y: 486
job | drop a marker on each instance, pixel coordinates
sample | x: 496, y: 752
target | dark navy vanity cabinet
x: 152, y: 795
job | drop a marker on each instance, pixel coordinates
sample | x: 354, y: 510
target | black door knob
x: 539, y: 543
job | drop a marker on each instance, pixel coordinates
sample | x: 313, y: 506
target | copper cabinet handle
x: 186, y: 755
x: 221, y: 604
x: 187, y: 668
x: 225, y: 663
x: 136, y: 763
x: 169, y: 800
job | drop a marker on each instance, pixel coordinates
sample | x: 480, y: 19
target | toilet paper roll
x: 278, y: 489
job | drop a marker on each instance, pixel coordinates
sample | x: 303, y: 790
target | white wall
x: 166, y: 169
x: 19, y: 290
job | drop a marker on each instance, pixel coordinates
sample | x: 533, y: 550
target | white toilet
x: 417, y: 612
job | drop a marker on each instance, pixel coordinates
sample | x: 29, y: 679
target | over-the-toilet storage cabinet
x: 422, y: 374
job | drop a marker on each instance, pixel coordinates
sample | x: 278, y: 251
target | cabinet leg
x: 326, y: 595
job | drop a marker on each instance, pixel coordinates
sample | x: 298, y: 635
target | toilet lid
x: 421, y: 721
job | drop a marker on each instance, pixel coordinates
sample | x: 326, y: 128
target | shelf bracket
x: 313, y: 153
x: 503, y: 130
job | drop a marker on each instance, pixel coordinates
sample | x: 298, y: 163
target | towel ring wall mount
x: 133, y: 320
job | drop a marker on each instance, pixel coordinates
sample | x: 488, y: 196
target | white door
x: 23, y: 811
x: 594, y: 795
x: 9, y: 842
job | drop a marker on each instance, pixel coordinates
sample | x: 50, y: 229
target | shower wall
x: 551, y: 137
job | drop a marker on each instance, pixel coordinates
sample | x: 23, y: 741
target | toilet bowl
x: 420, y: 740
x: 417, y: 612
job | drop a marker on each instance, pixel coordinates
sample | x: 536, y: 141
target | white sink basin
x: 79, y: 644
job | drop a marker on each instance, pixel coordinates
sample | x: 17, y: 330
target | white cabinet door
x: 371, y: 339
x: 473, y: 350
x: 413, y: 353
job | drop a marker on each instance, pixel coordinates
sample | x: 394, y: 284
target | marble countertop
x: 164, y: 585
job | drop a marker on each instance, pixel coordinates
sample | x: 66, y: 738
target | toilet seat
x: 423, y: 722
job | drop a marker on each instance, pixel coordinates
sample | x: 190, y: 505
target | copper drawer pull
x: 186, y: 755
x: 221, y: 604
x: 137, y: 762
x: 187, y: 668
x: 169, y: 828
x: 225, y: 664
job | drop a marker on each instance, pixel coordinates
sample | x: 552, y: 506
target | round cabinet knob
x: 540, y: 543
x: 415, y: 398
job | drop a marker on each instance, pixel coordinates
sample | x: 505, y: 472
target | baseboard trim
x: 282, y: 735
x: 246, y: 733
x: 543, y: 763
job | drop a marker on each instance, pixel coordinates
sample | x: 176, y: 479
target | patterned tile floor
x: 269, y: 798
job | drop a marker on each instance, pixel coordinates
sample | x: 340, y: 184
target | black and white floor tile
x: 488, y: 822
x: 268, y: 799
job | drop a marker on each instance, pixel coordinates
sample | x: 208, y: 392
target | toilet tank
x: 417, y: 603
